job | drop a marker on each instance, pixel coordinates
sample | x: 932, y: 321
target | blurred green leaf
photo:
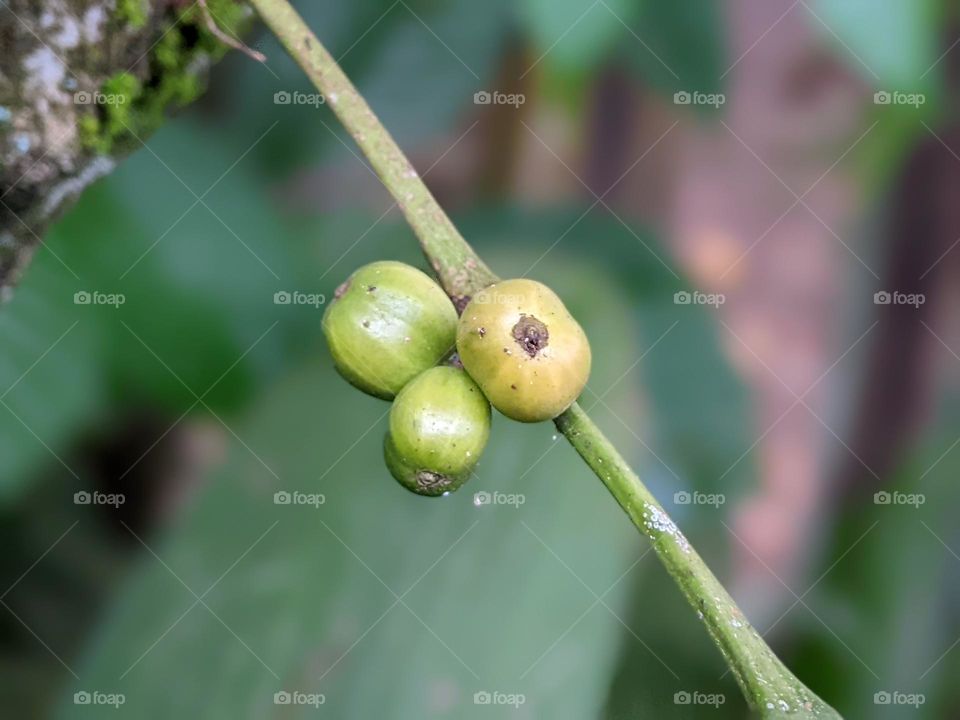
x: 456, y: 44
x: 890, y: 605
x: 386, y: 48
x: 194, y: 295
x: 313, y: 600
x: 679, y: 46
x: 894, y: 49
x: 574, y: 36
x: 51, y: 380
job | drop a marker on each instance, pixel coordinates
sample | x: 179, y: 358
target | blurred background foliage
x: 200, y: 397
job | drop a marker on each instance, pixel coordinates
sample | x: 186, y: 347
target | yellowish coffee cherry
x: 524, y: 349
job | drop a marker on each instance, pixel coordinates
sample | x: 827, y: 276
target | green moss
x: 138, y: 108
x: 120, y: 92
x: 92, y: 135
x: 168, y: 51
x: 132, y: 12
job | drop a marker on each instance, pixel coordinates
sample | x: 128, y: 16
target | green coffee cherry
x: 388, y: 323
x: 439, y: 425
x: 523, y: 348
x: 421, y: 481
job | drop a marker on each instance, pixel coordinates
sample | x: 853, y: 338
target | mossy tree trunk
x: 82, y: 82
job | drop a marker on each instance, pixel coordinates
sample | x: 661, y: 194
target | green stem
x: 770, y: 688
x: 452, y: 258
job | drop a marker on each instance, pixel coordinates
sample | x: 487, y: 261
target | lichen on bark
x: 82, y: 82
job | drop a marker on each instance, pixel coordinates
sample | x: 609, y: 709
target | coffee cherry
x: 439, y: 425
x: 421, y: 481
x: 388, y: 323
x: 523, y: 348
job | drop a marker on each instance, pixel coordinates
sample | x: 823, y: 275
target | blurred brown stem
x: 227, y: 40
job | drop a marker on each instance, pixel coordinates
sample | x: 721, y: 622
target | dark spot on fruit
x: 366, y: 323
x: 481, y: 331
x: 531, y: 335
x: 339, y: 292
x: 513, y: 387
x: 460, y: 302
x: 429, y: 480
x: 371, y: 288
